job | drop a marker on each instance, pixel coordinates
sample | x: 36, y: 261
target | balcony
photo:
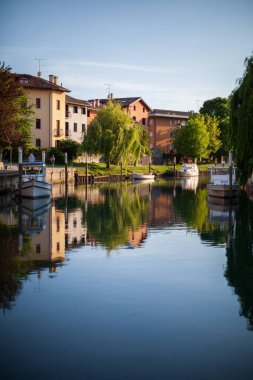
x: 58, y: 132
x: 67, y: 114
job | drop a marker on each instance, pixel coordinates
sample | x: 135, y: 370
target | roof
x: 81, y: 102
x: 169, y: 113
x: 31, y: 81
x: 125, y: 102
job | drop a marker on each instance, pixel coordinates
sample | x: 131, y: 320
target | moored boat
x: 189, y: 170
x: 33, y: 184
x: 141, y: 176
x: 219, y: 185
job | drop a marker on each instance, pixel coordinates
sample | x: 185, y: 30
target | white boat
x: 189, y: 170
x: 33, y: 183
x: 219, y: 185
x: 140, y: 176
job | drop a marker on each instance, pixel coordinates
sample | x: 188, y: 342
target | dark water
x: 127, y: 282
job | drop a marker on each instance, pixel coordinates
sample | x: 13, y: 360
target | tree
x: 73, y: 148
x: 199, y: 137
x: 241, y: 123
x: 16, y: 113
x: 220, y: 108
x: 114, y: 135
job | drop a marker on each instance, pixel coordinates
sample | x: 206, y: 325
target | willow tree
x: 241, y: 122
x: 16, y: 113
x: 114, y: 135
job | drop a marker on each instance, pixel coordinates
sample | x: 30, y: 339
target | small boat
x: 140, y: 176
x: 33, y: 184
x: 219, y: 185
x: 189, y: 170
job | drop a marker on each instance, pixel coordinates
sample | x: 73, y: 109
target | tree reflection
x: 12, y: 269
x: 193, y: 209
x: 123, y: 211
x: 239, y: 271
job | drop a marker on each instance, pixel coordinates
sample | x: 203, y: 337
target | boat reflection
x: 190, y: 183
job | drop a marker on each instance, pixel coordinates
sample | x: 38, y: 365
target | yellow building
x: 48, y: 100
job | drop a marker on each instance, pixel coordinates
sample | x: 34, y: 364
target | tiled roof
x: 81, y: 102
x: 31, y: 81
x: 169, y: 113
x: 125, y: 102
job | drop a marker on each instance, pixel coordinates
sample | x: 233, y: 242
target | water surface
x: 127, y: 281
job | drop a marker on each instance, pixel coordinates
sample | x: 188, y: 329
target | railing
x: 58, y: 132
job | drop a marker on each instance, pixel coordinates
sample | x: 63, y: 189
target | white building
x: 76, y: 118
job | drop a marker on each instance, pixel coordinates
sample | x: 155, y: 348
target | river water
x: 127, y: 281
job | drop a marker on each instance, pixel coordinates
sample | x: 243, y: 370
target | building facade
x: 76, y: 118
x: 48, y: 100
x: 162, y: 125
x: 135, y: 107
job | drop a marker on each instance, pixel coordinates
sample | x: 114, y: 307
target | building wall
x: 139, y: 113
x: 48, y: 114
x: 79, y: 118
x: 161, y: 131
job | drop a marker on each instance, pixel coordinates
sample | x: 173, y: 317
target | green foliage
x: 57, y: 153
x: 241, y: 125
x: 16, y: 113
x: 199, y: 137
x: 220, y: 108
x: 114, y: 135
x: 71, y: 147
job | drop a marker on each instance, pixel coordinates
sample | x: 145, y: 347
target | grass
x: 101, y: 170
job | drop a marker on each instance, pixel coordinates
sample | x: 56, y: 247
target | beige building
x: 48, y: 99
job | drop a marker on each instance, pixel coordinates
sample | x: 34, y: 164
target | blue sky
x: 175, y: 54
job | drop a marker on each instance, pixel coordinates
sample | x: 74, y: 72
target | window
x: 57, y: 224
x: 143, y: 121
x: 75, y: 127
x: 58, y: 104
x: 83, y: 128
x: 88, y: 113
x: 84, y: 111
x: 23, y: 81
x: 134, y: 108
x: 134, y: 118
x: 38, y: 123
x: 37, y: 102
x: 143, y: 109
x: 74, y: 223
x: 58, y: 246
x: 58, y: 124
x: 75, y: 109
x: 67, y: 129
x: 37, y: 249
x: 38, y: 143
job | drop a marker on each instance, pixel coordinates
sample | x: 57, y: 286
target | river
x: 127, y: 281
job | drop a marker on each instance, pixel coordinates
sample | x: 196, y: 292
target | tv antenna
x: 109, y: 86
x: 40, y: 64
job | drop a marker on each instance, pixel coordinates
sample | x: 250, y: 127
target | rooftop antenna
x: 109, y: 86
x: 40, y: 64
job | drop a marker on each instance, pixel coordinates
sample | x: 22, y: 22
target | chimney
x: 53, y: 79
